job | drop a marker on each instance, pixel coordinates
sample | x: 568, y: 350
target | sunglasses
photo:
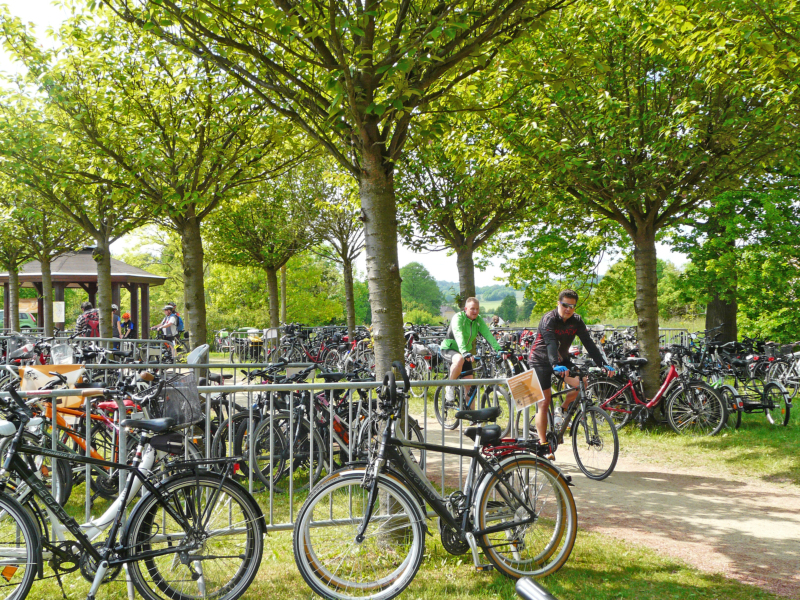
x: 567, y: 305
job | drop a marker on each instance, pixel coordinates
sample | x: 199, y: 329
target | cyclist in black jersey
x: 550, y: 352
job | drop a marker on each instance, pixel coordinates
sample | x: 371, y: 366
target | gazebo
x: 78, y: 270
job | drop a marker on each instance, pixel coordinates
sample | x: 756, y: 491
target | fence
x: 284, y: 495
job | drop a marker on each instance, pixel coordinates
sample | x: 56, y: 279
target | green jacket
x: 462, y: 334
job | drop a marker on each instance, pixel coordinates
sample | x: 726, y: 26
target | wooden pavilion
x: 78, y: 270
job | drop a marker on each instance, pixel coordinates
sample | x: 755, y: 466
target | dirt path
x: 747, y: 530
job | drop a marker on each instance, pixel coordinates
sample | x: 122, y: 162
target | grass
x: 756, y: 449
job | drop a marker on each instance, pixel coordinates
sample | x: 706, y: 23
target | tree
x: 754, y: 227
x: 266, y: 228
x: 14, y: 252
x: 352, y: 75
x: 340, y: 226
x: 456, y: 193
x: 508, y: 309
x: 525, y: 309
x: 38, y: 151
x: 183, y: 135
x: 48, y: 235
x: 420, y: 290
x: 637, y: 136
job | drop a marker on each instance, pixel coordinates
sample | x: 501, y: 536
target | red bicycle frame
x: 672, y: 375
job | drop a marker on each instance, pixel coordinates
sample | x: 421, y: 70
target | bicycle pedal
x: 484, y: 568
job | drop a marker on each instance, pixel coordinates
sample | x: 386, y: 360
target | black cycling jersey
x: 554, y: 337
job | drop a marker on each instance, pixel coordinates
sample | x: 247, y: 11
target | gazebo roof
x: 78, y: 268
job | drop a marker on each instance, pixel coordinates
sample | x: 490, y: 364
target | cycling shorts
x: 545, y: 373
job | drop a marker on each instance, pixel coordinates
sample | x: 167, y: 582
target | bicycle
x: 692, y: 406
x: 171, y: 537
x: 497, y: 396
x: 595, y: 442
x: 361, y: 531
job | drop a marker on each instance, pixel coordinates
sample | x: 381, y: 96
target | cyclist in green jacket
x: 460, y: 343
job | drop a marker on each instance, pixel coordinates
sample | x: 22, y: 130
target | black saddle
x: 332, y: 377
x: 154, y: 425
x: 479, y: 415
x: 632, y: 362
x: 123, y: 353
x: 489, y: 433
x: 217, y: 378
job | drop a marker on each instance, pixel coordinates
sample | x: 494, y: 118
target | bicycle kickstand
x: 479, y: 566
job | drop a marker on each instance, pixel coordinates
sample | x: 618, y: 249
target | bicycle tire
x: 332, y: 360
x: 620, y: 409
x: 234, y: 511
x: 780, y: 372
x: 593, y: 431
x: 500, y: 397
x: 701, y: 411
x: 20, y: 548
x: 398, y: 551
x: 778, y: 407
x: 444, y: 409
x: 734, y: 405
x: 552, y: 534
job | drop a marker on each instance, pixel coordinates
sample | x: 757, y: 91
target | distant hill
x: 492, y: 294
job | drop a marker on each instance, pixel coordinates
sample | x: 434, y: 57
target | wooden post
x: 58, y: 288
x: 115, y: 294
x: 39, y: 304
x: 92, y: 289
x: 145, y: 310
x: 6, y: 306
x: 134, y: 287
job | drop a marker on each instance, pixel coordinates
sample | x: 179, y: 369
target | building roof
x: 78, y: 268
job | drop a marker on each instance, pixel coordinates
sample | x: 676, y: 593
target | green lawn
x: 756, y: 449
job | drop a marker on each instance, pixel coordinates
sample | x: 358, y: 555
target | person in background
x: 116, y: 329
x: 126, y: 325
x: 169, y: 326
x: 88, y: 322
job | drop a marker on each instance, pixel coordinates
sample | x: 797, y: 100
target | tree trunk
x: 102, y: 256
x: 283, y: 294
x: 721, y: 311
x: 379, y: 209
x: 47, y: 296
x: 349, y: 298
x: 646, y: 306
x: 194, y: 291
x: 13, y: 297
x: 466, y: 273
x: 272, y: 283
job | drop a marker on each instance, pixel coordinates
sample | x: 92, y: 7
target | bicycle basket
x: 180, y: 400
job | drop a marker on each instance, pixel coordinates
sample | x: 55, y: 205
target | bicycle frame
x: 672, y: 376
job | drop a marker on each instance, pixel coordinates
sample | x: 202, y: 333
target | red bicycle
x: 690, y: 405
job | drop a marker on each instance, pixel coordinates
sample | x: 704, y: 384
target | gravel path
x: 745, y: 529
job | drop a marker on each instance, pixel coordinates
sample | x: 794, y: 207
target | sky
x: 43, y: 14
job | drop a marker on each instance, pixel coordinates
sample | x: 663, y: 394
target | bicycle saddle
x: 738, y: 362
x: 217, y: 378
x: 332, y: 377
x: 489, y: 433
x: 123, y: 353
x: 632, y: 362
x: 154, y: 425
x: 480, y: 415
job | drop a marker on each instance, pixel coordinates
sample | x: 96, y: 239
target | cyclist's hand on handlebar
x: 609, y: 370
x: 559, y: 369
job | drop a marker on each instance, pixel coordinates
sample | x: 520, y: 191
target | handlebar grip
x: 402, y: 370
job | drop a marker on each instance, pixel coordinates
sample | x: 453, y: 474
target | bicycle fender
x: 183, y: 475
x: 392, y: 473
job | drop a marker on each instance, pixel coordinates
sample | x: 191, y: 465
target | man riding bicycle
x: 550, y: 353
x: 460, y: 343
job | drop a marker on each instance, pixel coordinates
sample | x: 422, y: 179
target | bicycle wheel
x: 534, y: 546
x: 331, y: 362
x: 269, y: 452
x: 222, y: 539
x: 333, y: 564
x: 695, y: 408
x: 595, y: 443
x: 445, y: 409
x: 19, y: 549
x: 619, y: 408
x: 500, y: 397
x: 733, y: 404
x: 776, y: 402
x: 420, y: 372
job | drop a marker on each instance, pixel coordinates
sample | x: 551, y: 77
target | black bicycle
x: 194, y: 534
x: 361, y: 531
